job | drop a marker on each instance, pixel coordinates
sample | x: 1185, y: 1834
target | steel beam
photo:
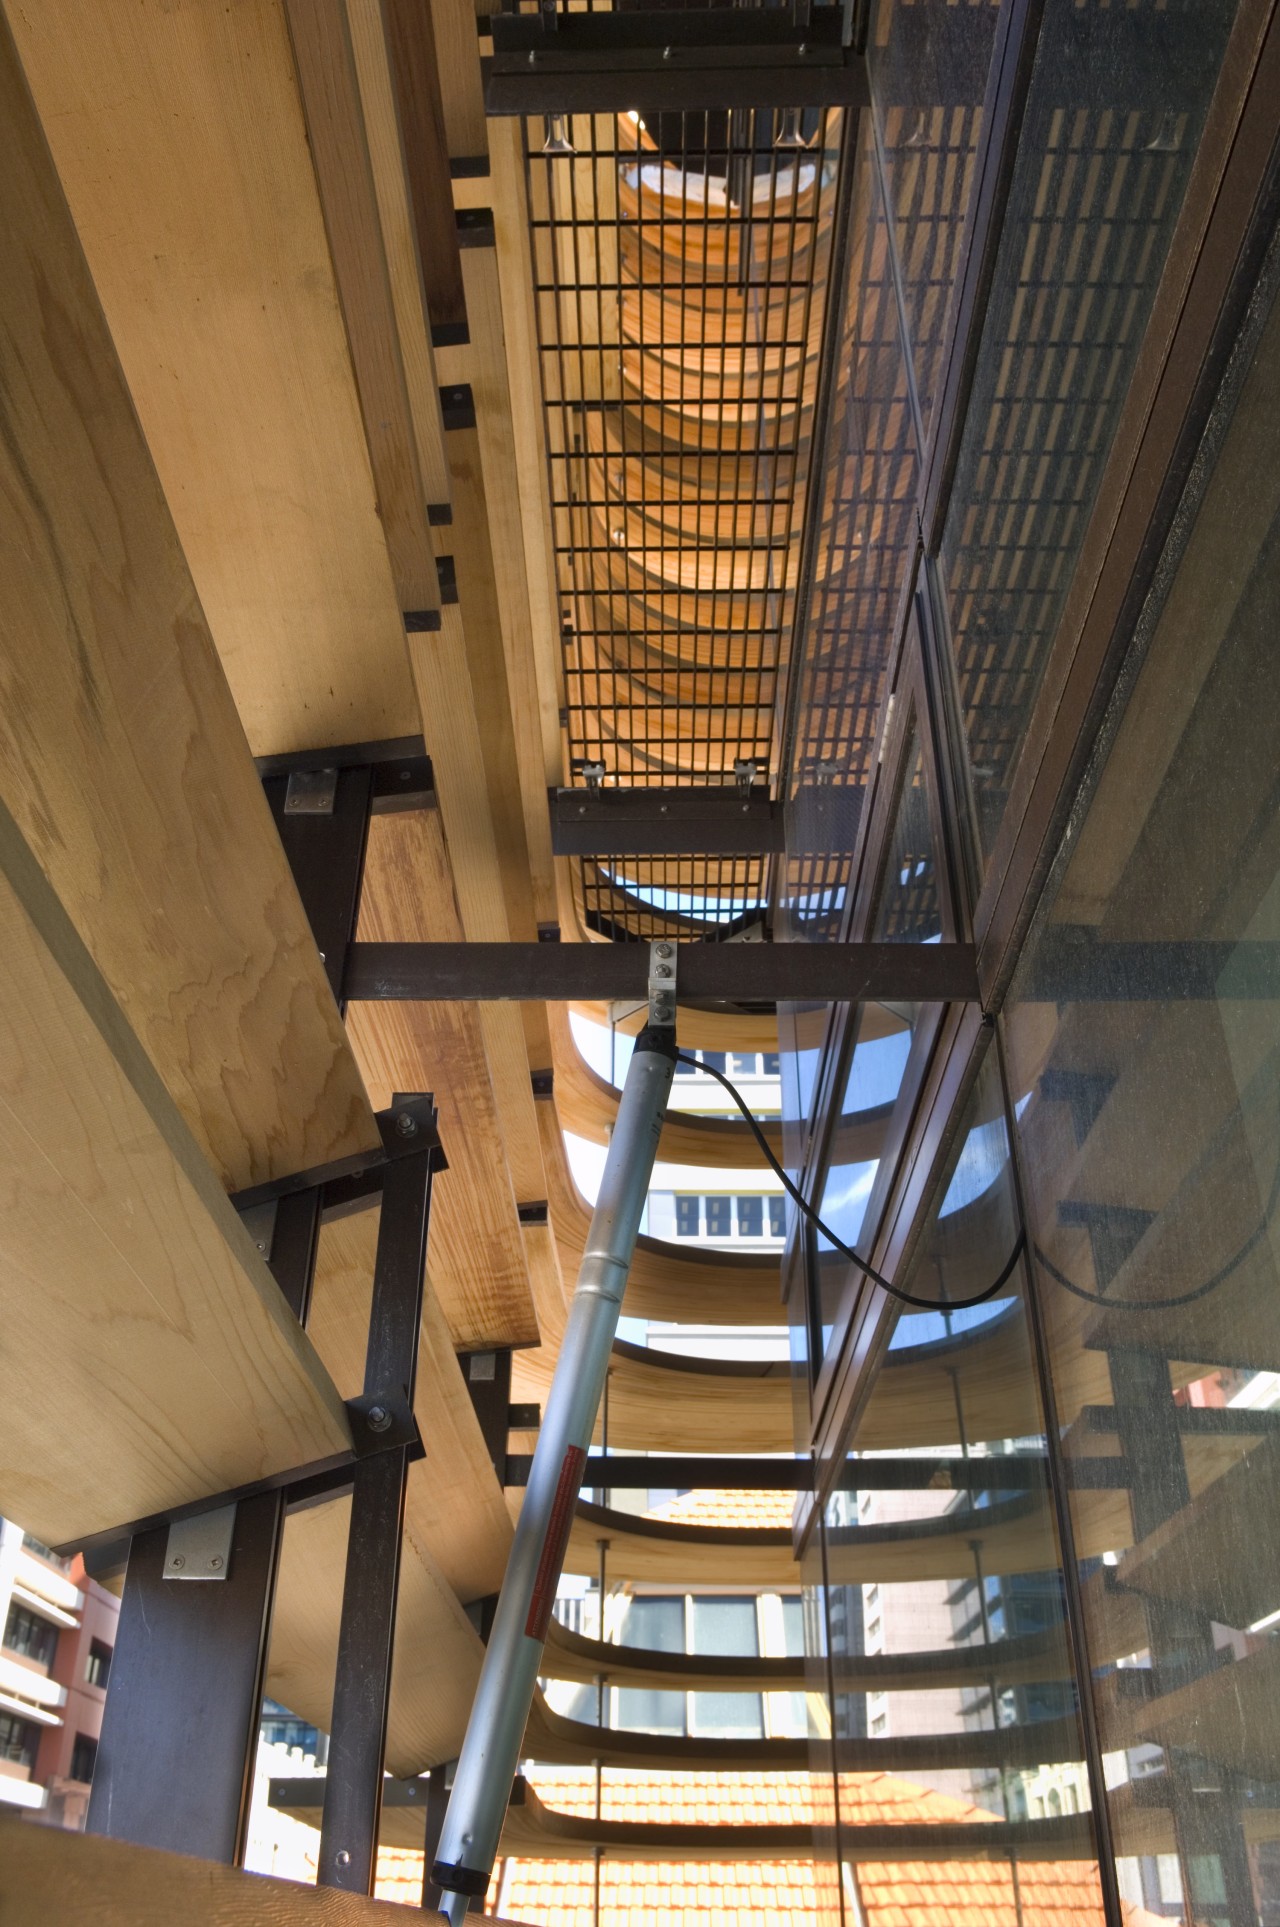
x: 688, y: 61
x: 738, y: 973
x: 719, y: 821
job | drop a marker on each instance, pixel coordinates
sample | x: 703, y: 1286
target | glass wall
x: 1114, y: 113
x: 1144, y: 1051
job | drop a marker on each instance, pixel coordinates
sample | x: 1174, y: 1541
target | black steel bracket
x: 684, y: 60
x: 716, y: 821
x: 406, y: 1129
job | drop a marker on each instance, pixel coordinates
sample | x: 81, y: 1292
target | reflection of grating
x: 680, y: 294
x: 1105, y: 156
x: 635, y: 899
x: 868, y: 533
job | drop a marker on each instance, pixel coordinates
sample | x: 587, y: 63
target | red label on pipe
x: 559, y: 1527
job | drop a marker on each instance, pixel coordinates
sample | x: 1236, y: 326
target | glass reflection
x: 1145, y: 1044
x: 954, y: 1705
x: 1117, y: 100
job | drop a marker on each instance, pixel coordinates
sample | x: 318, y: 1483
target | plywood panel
x: 178, y: 134
x: 121, y: 755
x: 122, y: 1266
x: 63, y: 1878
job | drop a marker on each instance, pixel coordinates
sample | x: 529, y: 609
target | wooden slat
x: 386, y: 152
x: 64, y: 1879
x: 177, y: 131
x: 326, y: 65
x: 456, y: 1511
x: 477, y: 1257
x: 458, y: 56
x: 122, y: 1266
x: 415, y: 73
x: 121, y: 755
x: 437, y: 1650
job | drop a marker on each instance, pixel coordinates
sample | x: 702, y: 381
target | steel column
x: 353, y: 1790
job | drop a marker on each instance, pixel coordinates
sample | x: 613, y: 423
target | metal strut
x: 491, y: 1751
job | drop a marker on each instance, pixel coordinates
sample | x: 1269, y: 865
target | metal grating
x: 680, y: 266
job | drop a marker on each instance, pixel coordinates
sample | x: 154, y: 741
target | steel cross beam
x: 689, y: 61
x: 737, y: 973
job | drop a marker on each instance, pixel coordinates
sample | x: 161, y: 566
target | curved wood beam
x: 678, y: 1555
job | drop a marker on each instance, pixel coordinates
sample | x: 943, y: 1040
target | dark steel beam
x: 689, y: 61
x: 738, y: 973
x: 719, y: 821
x: 488, y: 1377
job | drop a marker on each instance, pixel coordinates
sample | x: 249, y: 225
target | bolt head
x: 664, y: 949
x: 378, y: 1418
x: 342, y: 1858
x: 664, y: 970
x: 533, y: 58
x: 216, y: 1562
x: 178, y: 1561
x: 406, y: 1125
x: 666, y: 53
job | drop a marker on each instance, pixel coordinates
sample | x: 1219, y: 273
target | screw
x: 215, y: 1563
x: 666, y: 53
x: 378, y: 1418
x: 582, y: 809
x: 404, y: 775
x: 746, y: 809
x: 662, y: 809
x: 178, y: 1561
x: 262, y: 1246
x: 406, y: 1125
x: 342, y: 1858
x: 664, y: 949
x: 802, y: 49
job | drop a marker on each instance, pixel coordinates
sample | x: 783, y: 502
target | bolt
x: 178, y: 1561
x: 404, y: 775
x: 216, y: 1562
x: 802, y: 49
x: 582, y: 809
x: 662, y: 809
x: 664, y: 949
x: 664, y: 970
x: 666, y: 53
x: 262, y: 1246
x: 406, y: 1125
x: 533, y: 58
x: 342, y: 1858
x: 378, y: 1418
x: 746, y: 809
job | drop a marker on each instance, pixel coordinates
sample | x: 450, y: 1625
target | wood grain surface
x: 122, y: 1266
x: 179, y: 137
x: 121, y: 755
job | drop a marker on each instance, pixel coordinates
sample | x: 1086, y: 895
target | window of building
x: 879, y: 1726
x: 18, y: 1740
x: 726, y: 1626
x: 657, y: 1624
x: 750, y: 1217
x: 98, y: 1665
x: 84, y: 1755
x: 687, y: 1214
x: 793, y: 1625
x: 27, y: 1633
x: 777, y: 1218
x: 719, y: 1217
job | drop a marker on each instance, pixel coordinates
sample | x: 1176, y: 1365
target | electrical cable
x: 807, y: 1210
x: 1041, y: 1257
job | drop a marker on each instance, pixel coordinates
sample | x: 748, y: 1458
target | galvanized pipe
x: 491, y: 1751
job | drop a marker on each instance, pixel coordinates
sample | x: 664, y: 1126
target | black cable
x: 894, y: 1291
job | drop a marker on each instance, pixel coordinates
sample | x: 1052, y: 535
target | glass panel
x: 726, y: 1626
x: 687, y: 1214
x: 929, y: 61
x: 719, y: 1223
x: 726, y: 1716
x: 750, y: 1217
x: 1113, y: 117
x: 657, y: 1624
x: 909, y: 909
x: 951, y: 1668
x: 867, y: 538
x: 1144, y: 1039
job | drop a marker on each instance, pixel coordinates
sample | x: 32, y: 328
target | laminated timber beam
x: 60, y: 1877
x: 741, y: 973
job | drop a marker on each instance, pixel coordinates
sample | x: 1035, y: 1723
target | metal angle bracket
x: 662, y: 984
x: 200, y: 1548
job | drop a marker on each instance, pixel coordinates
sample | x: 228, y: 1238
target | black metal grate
x: 637, y: 899
x: 680, y: 267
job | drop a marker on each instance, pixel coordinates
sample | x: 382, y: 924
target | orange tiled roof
x: 909, y: 1893
x: 757, y: 1509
